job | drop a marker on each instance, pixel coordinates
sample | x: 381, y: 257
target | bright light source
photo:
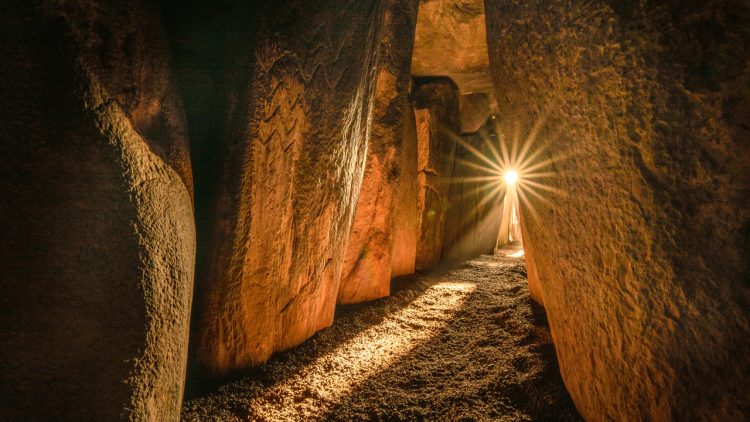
x: 511, y: 177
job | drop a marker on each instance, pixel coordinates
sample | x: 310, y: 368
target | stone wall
x: 290, y: 165
x: 532, y: 272
x: 366, y: 273
x: 643, y: 252
x: 475, y: 203
x: 405, y: 218
x: 436, y: 110
x: 98, y: 241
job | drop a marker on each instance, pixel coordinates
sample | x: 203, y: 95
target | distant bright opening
x: 511, y: 177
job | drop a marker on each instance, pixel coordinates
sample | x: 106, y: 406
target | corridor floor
x: 458, y: 344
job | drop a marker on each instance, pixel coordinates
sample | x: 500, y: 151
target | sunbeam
x: 474, y: 151
x: 485, y: 187
x: 468, y: 179
x: 510, y: 177
x: 479, y: 167
x: 521, y: 167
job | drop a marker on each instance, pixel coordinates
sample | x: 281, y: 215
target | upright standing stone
x: 367, y: 268
x: 291, y: 163
x: 405, y: 218
x: 643, y: 248
x: 436, y: 110
x: 98, y: 240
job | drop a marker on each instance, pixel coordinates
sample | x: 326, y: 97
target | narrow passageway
x: 464, y: 343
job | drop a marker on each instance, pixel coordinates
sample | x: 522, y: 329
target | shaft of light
x: 511, y: 177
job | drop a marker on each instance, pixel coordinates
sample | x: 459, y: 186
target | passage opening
x: 510, y: 225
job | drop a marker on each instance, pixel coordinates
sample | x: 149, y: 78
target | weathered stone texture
x: 644, y: 257
x: 532, y: 272
x: 436, y: 111
x: 405, y: 218
x: 98, y: 238
x: 474, y: 110
x: 509, y: 228
x: 297, y: 128
x: 366, y: 273
x: 451, y: 41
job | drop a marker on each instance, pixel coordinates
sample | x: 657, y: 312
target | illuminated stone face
x: 450, y: 40
x: 640, y: 262
x: 290, y: 185
x: 638, y: 247
x: 367, y: 269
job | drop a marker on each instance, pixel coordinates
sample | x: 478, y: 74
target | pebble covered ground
x: 459, y: 344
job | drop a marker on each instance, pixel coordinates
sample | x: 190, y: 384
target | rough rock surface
x: 644, y: 256
x: 291, y: 167
x: 466, y: 344
x: 532, y: 272
x: 451, y: 41
x: 366, y: 273
x: 98, y: 241
x: 436, y: 111
x: 474, y: 110
x: 475, y: 207
x: 405, y: 218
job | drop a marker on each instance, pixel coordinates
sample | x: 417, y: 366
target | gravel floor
x: 459, y: 344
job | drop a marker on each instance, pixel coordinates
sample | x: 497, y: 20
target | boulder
x: 474, y: 109
x: 451, y: 41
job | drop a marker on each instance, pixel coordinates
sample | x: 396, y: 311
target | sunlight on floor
x: 368, y: 353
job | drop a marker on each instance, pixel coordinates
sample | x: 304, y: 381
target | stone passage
x: 464, y: 343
